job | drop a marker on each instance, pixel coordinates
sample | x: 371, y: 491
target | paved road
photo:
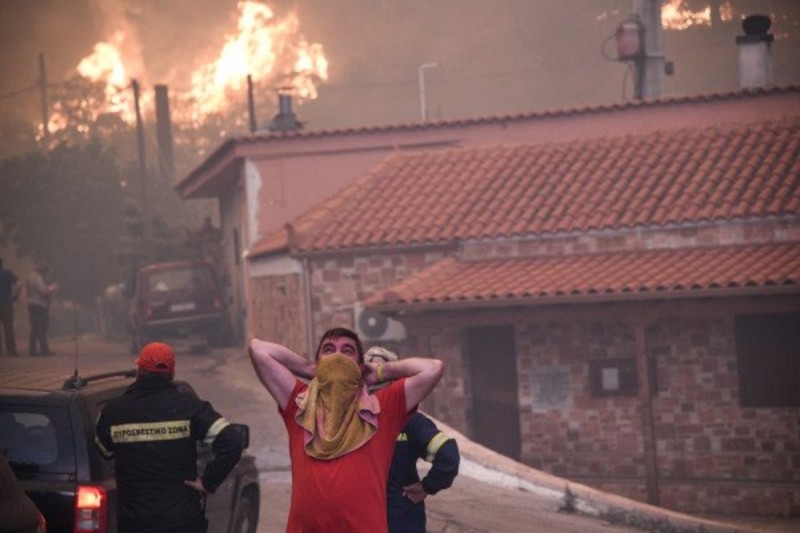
x: 225, y: 377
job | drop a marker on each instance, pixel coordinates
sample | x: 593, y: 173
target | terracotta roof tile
x: 684, y: 273
x: 669, y: 177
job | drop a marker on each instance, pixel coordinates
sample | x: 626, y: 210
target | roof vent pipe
x: 285, y: 120
x: 755, y: 52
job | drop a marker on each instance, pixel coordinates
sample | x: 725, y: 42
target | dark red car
x: 178, y: 300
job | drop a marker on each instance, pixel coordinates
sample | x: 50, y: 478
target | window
x: 37, y: 439
x: 768, y: 359
x: 613, y: 377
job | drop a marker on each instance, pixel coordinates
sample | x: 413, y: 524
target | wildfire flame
x: 267, y: 47
x: 106, y: 63
x: 674, y: 16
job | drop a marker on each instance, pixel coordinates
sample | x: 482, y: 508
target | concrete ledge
x: 483, y: 464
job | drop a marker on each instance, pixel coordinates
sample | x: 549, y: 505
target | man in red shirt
x: 341, y: 438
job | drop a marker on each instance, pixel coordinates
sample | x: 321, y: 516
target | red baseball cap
x: 156, y: 357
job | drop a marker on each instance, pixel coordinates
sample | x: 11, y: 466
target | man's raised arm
x: 277, y: 367
x: 421, y: 374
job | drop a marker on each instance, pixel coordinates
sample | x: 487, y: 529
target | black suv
x: 47, y: 434
x: 178, y: 300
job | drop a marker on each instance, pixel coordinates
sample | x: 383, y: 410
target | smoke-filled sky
x: 494, y: 56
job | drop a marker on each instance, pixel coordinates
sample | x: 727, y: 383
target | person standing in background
x: 419, y: 439
x: 39, y: 293
x: 9, y: 292
x: 151, y: 432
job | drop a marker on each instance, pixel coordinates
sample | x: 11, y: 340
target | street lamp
x: 422, y: 104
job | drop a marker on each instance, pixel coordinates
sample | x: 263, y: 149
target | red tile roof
x: 600, y: 277
x: 664, y: 178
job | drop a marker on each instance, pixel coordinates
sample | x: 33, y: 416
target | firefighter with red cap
x: 151, y: 432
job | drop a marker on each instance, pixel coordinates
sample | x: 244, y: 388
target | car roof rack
x: 76, y: 381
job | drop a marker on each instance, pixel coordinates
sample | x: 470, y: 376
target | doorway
x: 492, y: 362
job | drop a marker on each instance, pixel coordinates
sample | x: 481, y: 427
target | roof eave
x: 202, y: 178
x: 550, y: 300
x: 438, y: 246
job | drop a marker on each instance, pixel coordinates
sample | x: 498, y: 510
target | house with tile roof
x: 615, y: 290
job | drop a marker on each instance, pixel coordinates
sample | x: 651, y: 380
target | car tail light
x: 91, y: 505
x: 217, y: 304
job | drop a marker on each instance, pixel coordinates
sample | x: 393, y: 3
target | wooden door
x: 492, y: 361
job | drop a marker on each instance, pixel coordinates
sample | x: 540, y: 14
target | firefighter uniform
x: 152, y: 433
x: 420, y: 439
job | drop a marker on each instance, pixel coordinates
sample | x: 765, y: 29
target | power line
x: 18, y: 92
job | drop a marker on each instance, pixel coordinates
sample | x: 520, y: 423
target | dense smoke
x: 494, y: 56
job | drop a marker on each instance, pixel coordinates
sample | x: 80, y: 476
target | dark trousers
x: 197, y: 528
x: 40, y: 319
x: 7, y: 321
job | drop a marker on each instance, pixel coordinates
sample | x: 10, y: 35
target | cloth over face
x: 336, y: 410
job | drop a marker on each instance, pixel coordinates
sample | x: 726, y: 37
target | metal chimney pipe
x: 284, y: 104
x: 285, y: 120
x: 755, y: 52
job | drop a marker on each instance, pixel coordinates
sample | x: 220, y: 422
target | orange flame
x: 106, y: 64
x: 269, y: 48
x: 265, y: 47
x: 675, y: 17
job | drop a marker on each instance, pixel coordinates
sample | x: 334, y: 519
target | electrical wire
x: 18, y: 92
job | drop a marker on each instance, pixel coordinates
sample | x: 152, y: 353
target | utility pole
x: 45, y: 102
x: 251, y: 104
x: 166, y: 152
x: 650, y: 64
x: 142, y: 170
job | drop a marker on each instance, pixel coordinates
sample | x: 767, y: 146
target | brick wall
x: 337, y: 283
x: 568, y: 432
x: 712, y: 455
x: 703, y: 433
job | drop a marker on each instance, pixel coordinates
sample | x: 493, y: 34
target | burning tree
x: 92, y: 125
x: 269, y: 48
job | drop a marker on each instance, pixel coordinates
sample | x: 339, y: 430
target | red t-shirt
x: 346, y: 494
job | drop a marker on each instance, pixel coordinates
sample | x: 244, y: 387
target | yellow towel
x: 337, y: 412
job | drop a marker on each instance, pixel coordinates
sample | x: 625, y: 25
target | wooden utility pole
x: 166, y: 152
x: 45, y: 103
x: 251, y: 105
x: 142, y: 170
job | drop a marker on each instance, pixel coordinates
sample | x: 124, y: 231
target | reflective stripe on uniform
x: 151, y: 431
x: 434, y: 444
x: 105, y: 452
x: 215, y: 428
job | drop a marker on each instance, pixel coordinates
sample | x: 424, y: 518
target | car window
x: 37, y: 439
x: 179, y: 280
